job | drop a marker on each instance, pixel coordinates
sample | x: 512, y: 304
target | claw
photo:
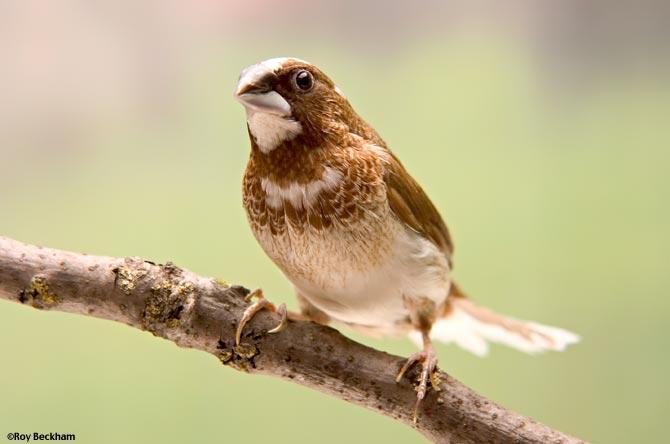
x: 415, y: 357
x: 284, y: 319
x: 260, y: 304
x: 257, y: 293
x: 429, y: 373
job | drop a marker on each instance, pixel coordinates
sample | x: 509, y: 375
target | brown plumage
x: 357, y: 236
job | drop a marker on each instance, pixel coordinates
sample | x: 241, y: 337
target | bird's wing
x: 412, y: 206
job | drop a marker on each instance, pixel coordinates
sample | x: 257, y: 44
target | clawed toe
x: 429, y: 374
x: 260, y: 304
x: 284, y: 319
x: 414, y: 358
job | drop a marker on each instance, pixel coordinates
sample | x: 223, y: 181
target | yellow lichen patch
x: 39, y: 295
x: 125, y: 279
x: 165, y: 285
x: 247, y: 352
x: 172, y: 323
x: 152, y: 310
x: 240, y: 357
x: 40, y: 286
x: 128, y: 276
x: 185, y: 287
x: 220, y: 282
x: 166, y: 303
x: 225, y: 356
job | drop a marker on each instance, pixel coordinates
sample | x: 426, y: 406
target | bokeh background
x: 540, y: 130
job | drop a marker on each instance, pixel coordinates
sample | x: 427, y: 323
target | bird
x: 361, y: 242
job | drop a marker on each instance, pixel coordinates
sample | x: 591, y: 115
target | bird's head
x: 286, y: 98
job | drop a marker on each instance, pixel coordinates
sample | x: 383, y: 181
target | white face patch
x: 300, y: 195
x: 278, y: 62
x: 268, y: 113
x: 269, y: 130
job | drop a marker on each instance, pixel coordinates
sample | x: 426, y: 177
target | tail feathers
x: 470, y: 326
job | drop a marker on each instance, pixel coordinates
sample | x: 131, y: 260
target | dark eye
x: 304, y: 80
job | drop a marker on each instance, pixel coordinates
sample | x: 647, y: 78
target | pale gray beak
x: 255, y: 91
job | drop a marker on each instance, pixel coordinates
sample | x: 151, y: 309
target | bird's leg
x: 260, y: 304
x: 428, y: 359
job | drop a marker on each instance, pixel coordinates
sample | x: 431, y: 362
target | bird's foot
x: 260, y: 304
x: 429, y: 373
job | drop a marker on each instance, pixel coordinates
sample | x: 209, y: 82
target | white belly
x: 361, y: 275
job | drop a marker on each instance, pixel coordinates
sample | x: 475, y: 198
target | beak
x: 255, y: 90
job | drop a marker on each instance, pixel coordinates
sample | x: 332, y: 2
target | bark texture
x: 202, y: 313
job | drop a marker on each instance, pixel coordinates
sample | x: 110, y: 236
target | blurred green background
x: 539, y: 130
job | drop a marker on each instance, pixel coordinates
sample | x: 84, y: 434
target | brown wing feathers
x: 412, y: 206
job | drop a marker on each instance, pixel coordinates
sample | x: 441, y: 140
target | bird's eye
x: 304, y: 80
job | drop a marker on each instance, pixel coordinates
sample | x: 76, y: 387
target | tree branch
x: 202, y: 313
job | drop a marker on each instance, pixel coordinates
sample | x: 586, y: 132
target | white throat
x: 269, y: 130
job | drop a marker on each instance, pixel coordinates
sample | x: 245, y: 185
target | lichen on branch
x: 202, y: 313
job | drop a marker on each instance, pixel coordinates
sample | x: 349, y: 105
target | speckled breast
x: 324, y: 232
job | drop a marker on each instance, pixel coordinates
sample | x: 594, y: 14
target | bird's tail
x: 471, y: 327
